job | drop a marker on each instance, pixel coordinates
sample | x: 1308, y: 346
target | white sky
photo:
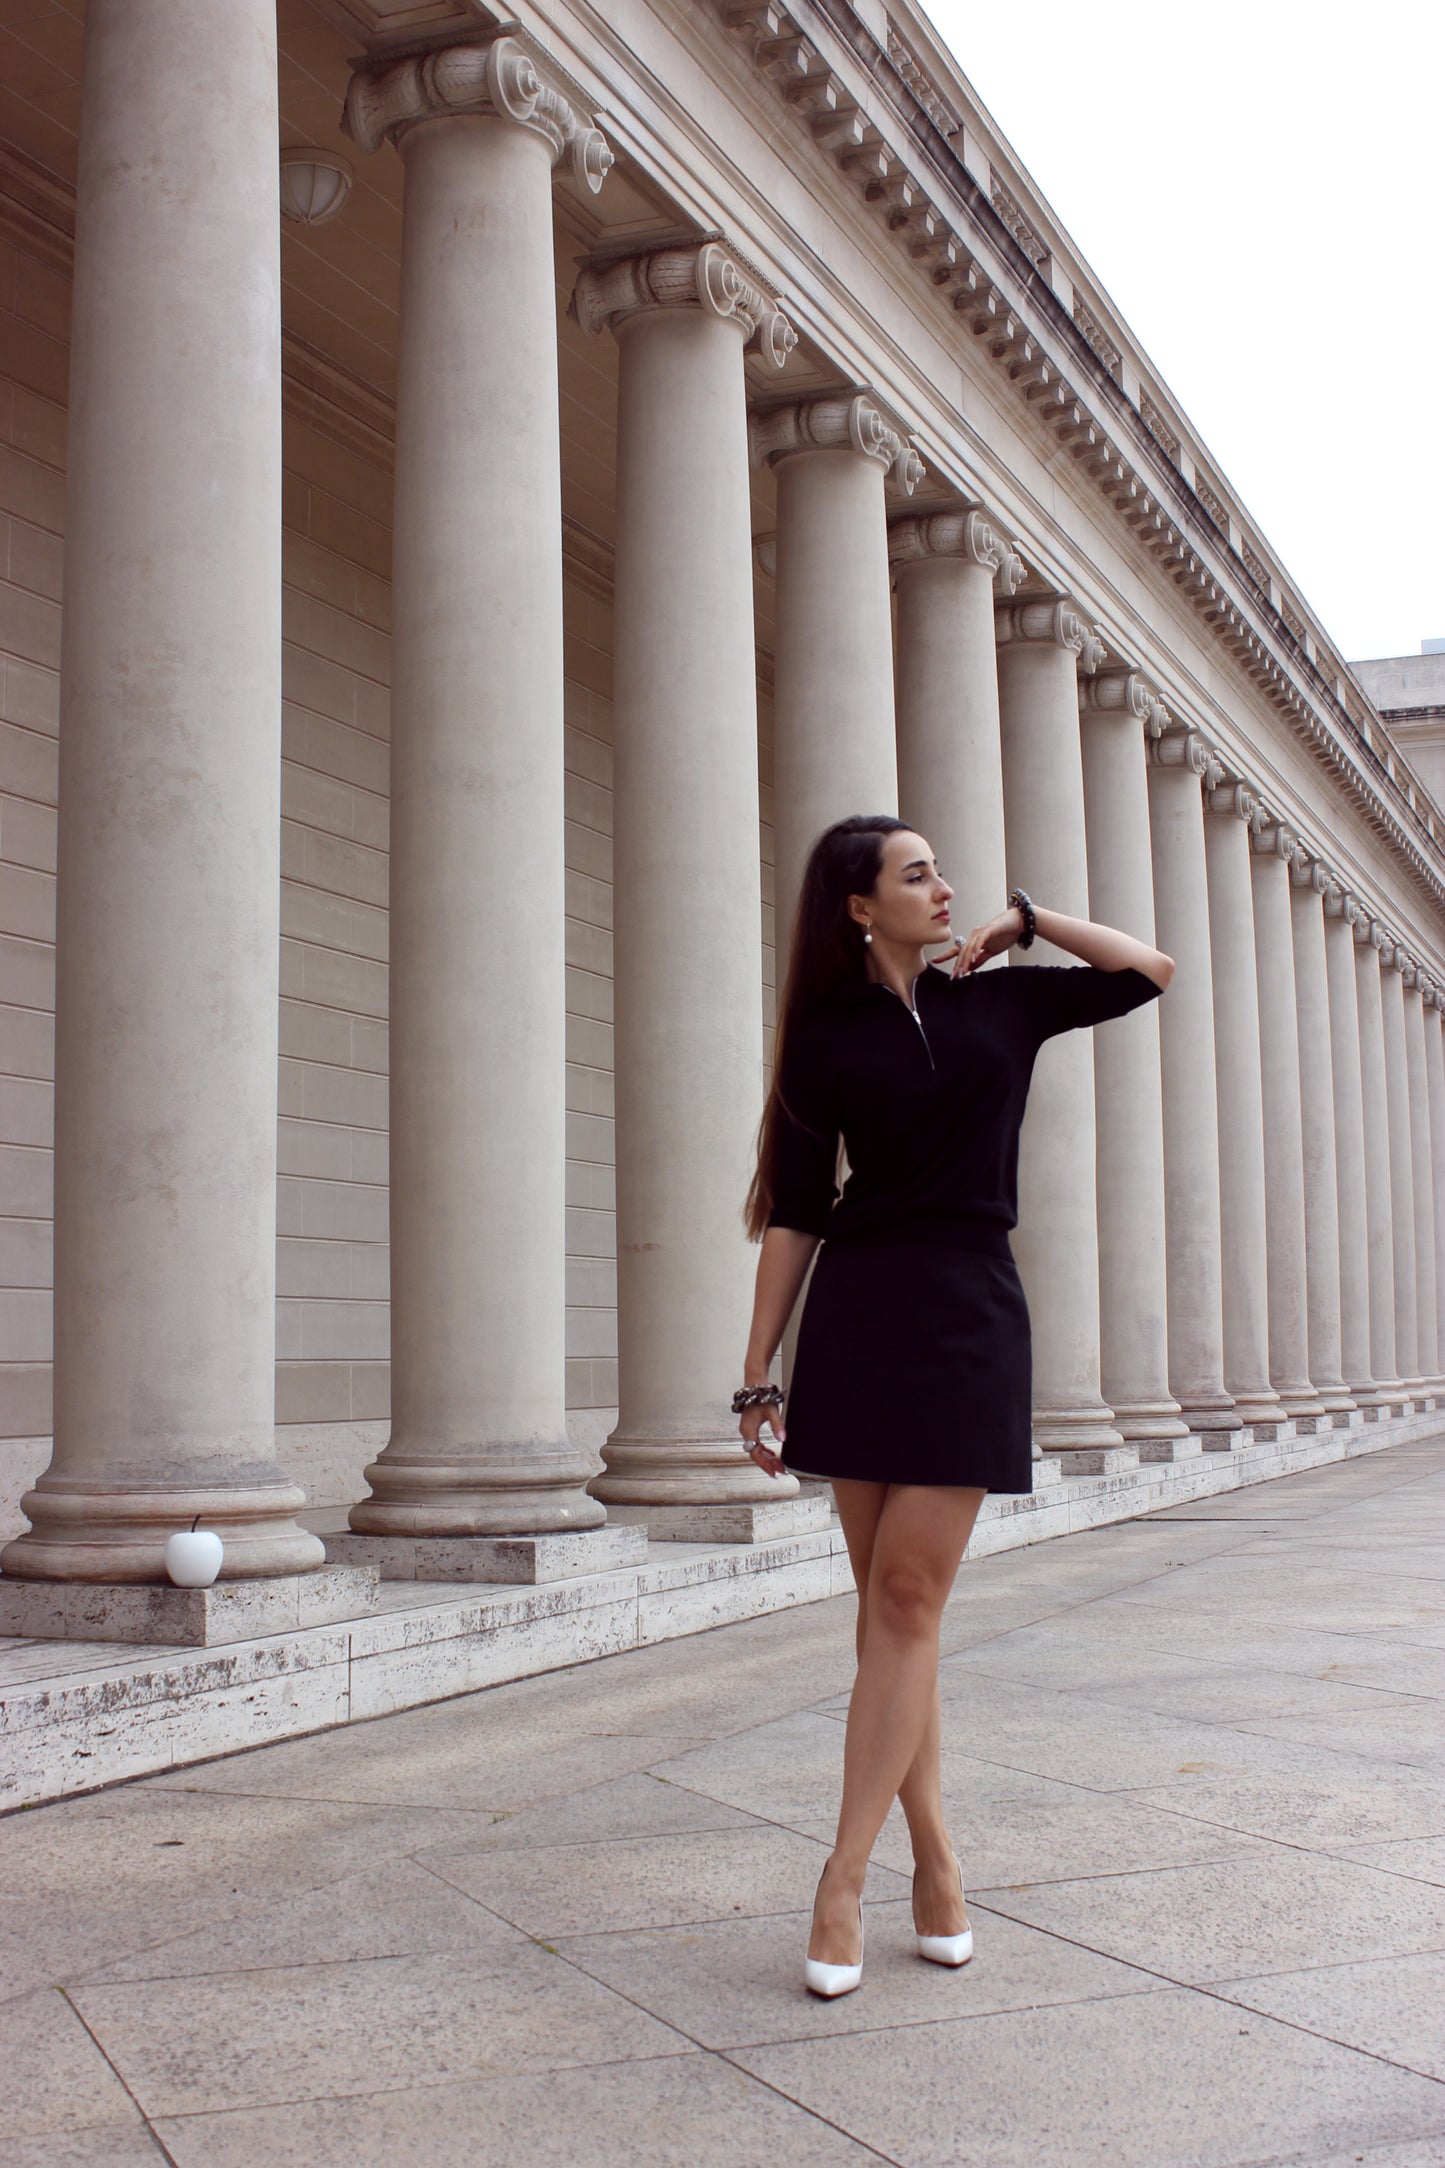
x: 1259, y: 187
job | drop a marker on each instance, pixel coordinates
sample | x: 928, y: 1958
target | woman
x: 911, y: 1380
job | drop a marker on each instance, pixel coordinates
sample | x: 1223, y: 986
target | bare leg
x: 919, y: 1535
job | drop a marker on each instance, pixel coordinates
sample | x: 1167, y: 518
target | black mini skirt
x: 914, y: 1362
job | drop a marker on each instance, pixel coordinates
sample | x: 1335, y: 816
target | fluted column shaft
x: 1129, y: 1133
x: 1284, y: 1184
x: 1355, y: 1352
x: 1239, y: 1092
x: 1369, y: 936
x: 1178, y: 761
x: 1434, y: 1023
x: 170, y: 761
x: 950, y: 765
x: 1057, y: 1240
x: 478, y: 1440
x: 1402, y: 1194
x: 1317, y: 1133
x: 689, y: 1009
x: 1424, y: 1179
x: 833, y: 739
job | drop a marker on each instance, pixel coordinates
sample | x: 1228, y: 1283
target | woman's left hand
x: 973, y: 949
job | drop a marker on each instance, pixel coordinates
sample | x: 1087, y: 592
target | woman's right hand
x: 759, y: 1451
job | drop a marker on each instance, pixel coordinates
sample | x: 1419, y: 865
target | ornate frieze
x: 501, y: 78
x: 704, y: 274
x: 837, y: 421
x: 1055, y: 619
x: 956, y: 534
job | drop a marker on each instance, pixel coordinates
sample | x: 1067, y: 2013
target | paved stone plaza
x: 1194, y: 1765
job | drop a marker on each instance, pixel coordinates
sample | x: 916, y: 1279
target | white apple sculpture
x: 193, y: 1556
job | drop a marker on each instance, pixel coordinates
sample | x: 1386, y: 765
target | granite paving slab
x: 1421, y: 1858
x: 1169, y: 2080
x: 731, y: 1982
x: 1210, y: 1920
x: 695, y: 2108
x: 1392, y: 2007
x: 53, y: 2077
x: 314, y: 2031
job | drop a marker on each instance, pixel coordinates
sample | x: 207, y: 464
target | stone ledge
x: 555, y: 1555
x: 205, y: 1618
x: 759, y: 1523
x: 75, y: 1715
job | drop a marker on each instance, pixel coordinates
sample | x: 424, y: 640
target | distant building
x: 1409, y: 691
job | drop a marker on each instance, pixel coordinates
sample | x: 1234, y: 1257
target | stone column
x: 1402, y: 1195
x: 1434, y: 1022
x: 947, y: 567
x: 689, y: 1009
x: 1369, y: 940
x: 478, y: 1442
x: 1180, y: 765
x: 833, y: 738
x: 1355, y: 1357
x: 1057, y: 1240
x: 1284, y: 1183
x: 1117, y: 707
x: 1231, y: 808
x: 1309, y: 879
x: 169, y: 847
x: 1424, y: 1177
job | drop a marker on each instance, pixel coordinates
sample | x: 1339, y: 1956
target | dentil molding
x: 917, y: 538
x: 704, y: 274
x: 501, y: 79
x: 834, y: 421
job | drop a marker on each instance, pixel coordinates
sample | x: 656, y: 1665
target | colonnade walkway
x: 1193, y: 1764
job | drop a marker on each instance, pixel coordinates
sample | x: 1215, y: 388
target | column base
x: 185, y: 1617
x: 684, y: 1472
x: 456, y: 1492
x: 718, y: 1523
x: 556, y: 1556
x: 1087, y: 1426
x: 1211, y: 1408
x: 82, y: 1533
x: 1297, y: 1401
x: 1170, y: 1448
x: 1097, y: 1460
x: 1146, y: 1421
x: 1256, y: 1404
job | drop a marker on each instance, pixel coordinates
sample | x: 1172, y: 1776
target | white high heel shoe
x: 948, y: 1949
x: 835, y: 1979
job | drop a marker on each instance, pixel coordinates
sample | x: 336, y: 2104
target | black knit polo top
x: 928, y: 1108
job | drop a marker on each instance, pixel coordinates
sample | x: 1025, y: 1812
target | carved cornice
x: 704, y: 274
x: 1053, y: 620
x: 834, y: 422
x: 500, y: 78
x: 1125, y: 691
x: 914, y: 539
x: 1046, y: 347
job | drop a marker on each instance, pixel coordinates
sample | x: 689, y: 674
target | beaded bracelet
x: 757, y: 1396
x: 1021, y: 903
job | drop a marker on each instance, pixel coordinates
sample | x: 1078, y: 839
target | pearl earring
x: 867, y: 935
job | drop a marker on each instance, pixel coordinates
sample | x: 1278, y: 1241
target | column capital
x: 1053, y: 619
x: 914, y: 538
x: 1271, y: 838
x: 1369, y: 932
x: 1233, y: 797
x: 705, y: 274
x: 1180, y: 746
x: 834, y: 422
x: 507, y: 77
x: 1307, y: 871
x: 1339, y: 903
x: 1125, y: 691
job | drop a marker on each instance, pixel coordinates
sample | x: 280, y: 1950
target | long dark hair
x: 826, y: 953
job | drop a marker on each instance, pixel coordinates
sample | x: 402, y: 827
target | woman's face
x: 910, y: 903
